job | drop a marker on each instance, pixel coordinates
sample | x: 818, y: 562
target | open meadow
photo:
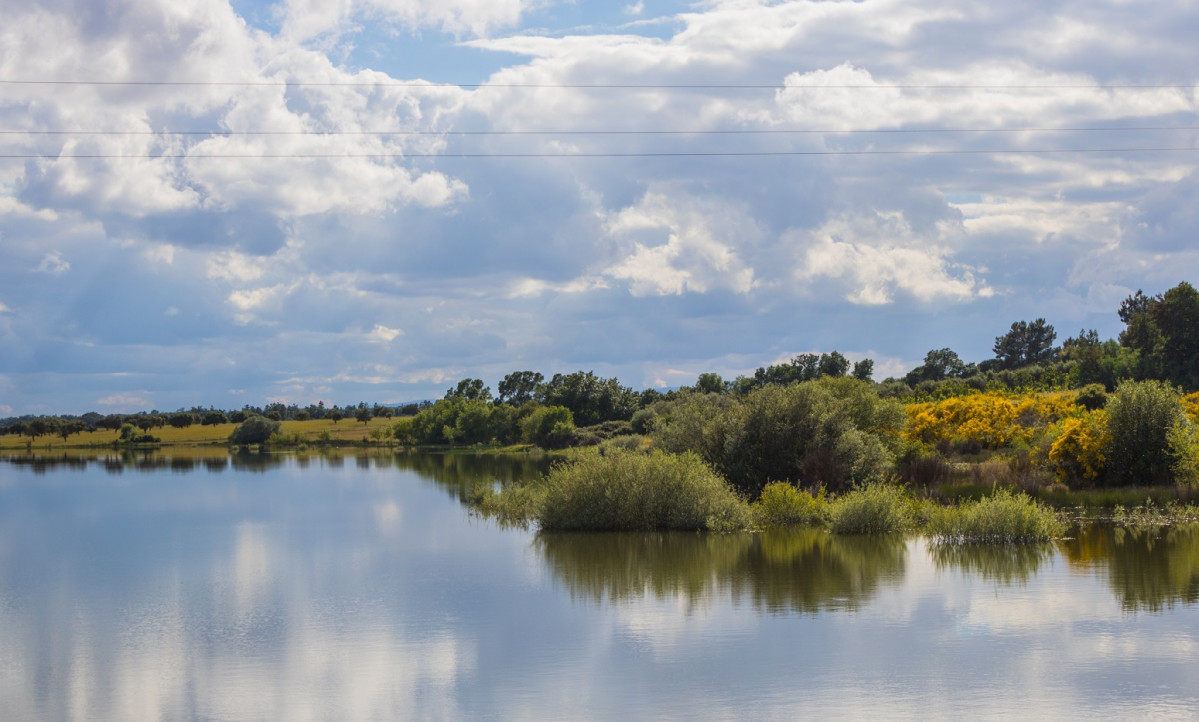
x: 344, y: 431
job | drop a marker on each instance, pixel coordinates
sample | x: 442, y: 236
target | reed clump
x: 874, y: 508
x: 781, y: 504
x: 622, y: 490
x: 1001, y: 518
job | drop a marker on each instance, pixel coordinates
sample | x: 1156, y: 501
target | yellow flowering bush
x: 1190, y: 405
x: 1077, y: 452
x: 991, y: 419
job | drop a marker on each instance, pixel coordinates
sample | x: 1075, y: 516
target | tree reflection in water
x: 1149, y: 569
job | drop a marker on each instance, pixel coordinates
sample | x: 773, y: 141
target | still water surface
x: 360, y: 588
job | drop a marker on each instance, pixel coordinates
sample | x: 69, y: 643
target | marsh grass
x: 1002, y: 518
x: 1007, y: 564
x: 622, y: 490
x: 781, y: 504
x: 1110, y: 498
x: 874, y: 508
x: 1150, y: 514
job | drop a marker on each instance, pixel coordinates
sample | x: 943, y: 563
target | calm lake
x: 360, y: 588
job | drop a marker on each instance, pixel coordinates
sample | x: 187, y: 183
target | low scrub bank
x: 617, y: 489
x: 1002, y: 518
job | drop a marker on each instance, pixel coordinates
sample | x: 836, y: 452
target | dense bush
x: 1077, y: 451
x: 254, y: 430
x: 1183, y: 440
x: 1140, y: 415
x: 1001, y: 518
x: 550, y: 427
x: 832, y: 432
x: 1091, y: 397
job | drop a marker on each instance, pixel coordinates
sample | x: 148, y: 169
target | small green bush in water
x: 874, y: 508
x: 781, y: 504
x: 1002, y: 518
x: 626, y: 490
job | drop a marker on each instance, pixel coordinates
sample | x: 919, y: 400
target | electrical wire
x: 607, y: 86
x: 663, y: 154
x: 771, y: 131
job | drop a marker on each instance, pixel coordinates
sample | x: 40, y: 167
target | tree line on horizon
x: 1160, y: 342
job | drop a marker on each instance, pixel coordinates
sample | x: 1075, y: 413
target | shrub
x: 1078, y: 451
x: 1140, y: 416
x: 643, y: 421
x: 781, y: 504
x: 1091, y: 397
x: 550, y: 427
x: 874, y: 508
x: 623, y: 490
x: 832, y: 432
x: 254, y: 430
x: 1183, y: 440
x: 1190, y: 406
x: 631, y: 442
x: 1003, y: 517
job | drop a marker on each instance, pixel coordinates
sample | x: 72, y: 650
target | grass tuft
x: 781, y: 504
x: 1002, y: 518
x: 622, y: 490
x: 874, y: 508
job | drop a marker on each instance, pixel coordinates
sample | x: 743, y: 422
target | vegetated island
x: 970, y: 452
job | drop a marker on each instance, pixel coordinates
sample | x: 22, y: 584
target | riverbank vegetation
x: 813, y: 439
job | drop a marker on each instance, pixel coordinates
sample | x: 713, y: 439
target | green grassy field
x: 346, y: 430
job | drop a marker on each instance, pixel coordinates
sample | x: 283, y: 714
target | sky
x: 224, y: 203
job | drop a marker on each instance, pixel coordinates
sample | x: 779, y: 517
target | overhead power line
x: 665, y: 154
x: 613, y: 86
x: 769, y: 131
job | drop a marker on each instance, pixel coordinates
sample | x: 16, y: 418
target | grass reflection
x: 802, y: 570
x: 1006, y: 564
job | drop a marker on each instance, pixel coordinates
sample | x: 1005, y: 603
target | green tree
x: 214, y: 417
x: 940, y: 363
x: 1140, y: 415
x: 519, y: 387
x: 591, y: 400
x: 1177, y: 318
x: 470, y: 390
x: 833, y: 431
x: 1026, y: 344
x: 864, y: 370
x: 254, y: 430
x: 363, y: 414
x: 710, y: 383
x: 550, y: 427
x: 832, y: 364
x: 181, y: 420
x: 66, y: 427
x: 112, y: 422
